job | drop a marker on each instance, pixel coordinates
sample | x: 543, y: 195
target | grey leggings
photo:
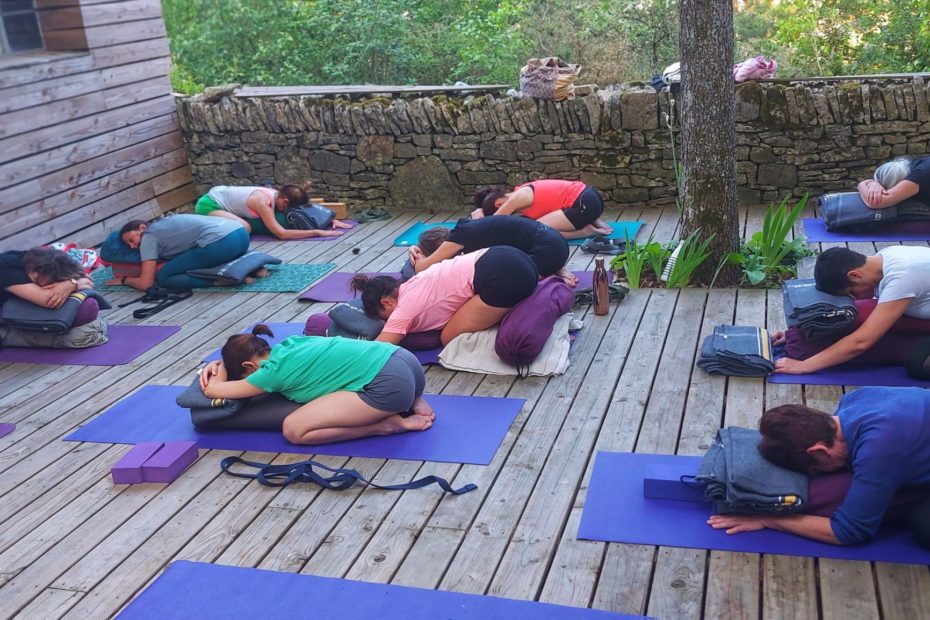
x: 399, y: 383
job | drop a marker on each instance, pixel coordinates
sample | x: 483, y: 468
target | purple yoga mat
x: 195, y: 590
x: 890, y: 376
x: 284, y: 330
x: 816, y: 231
x: 468, y: 429
x: 127, y: 342
x: 616, y: 511
x: 335, y: 286
x: 352, y: 224
x: 6, y: 428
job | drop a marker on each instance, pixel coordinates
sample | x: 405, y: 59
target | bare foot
x: 568, y: 277
x: 246, y: 280
x: 395, y: 424
x: 423, y: 408
x: 343, y: 225
x: 261, y: 272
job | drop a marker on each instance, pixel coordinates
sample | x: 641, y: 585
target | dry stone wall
x: 434, y: 152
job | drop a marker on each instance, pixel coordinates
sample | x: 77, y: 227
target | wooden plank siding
x: 89, y: 138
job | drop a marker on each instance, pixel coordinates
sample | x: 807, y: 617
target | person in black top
x: 896, y: 181
x: 43, y: 276
x: 544, y: 245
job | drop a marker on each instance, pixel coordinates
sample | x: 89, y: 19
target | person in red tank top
x: 570, y: 207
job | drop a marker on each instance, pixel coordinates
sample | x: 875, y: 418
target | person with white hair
x: 896, y: 181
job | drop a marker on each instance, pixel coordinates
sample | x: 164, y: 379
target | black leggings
x: 549, y: 251
x: 587, y: 207
x: 505, y: 276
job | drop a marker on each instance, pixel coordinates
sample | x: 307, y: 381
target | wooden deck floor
x: 73, y: 544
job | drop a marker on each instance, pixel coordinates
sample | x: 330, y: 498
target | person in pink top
x: 467, y: 293
x: 570, y: 207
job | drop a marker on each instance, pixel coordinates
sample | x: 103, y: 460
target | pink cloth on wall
x: 757, y: 68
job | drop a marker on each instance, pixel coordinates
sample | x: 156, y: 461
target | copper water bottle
x: 601, y: 292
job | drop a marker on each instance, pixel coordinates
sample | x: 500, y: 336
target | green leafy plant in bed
x: 641, y: 263
x: 769, y: 257
x: 691, y: 254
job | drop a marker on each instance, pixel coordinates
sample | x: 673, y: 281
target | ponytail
x: 243, y: 347
x: 373, y: 290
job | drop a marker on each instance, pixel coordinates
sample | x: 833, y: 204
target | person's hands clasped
x: 209, y: 371
x: 414, y: 253
x: 57, y: 293
x: 874, y: 194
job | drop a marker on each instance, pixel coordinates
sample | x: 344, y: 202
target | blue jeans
x: 173, y: 273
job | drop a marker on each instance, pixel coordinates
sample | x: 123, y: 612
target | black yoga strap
x: 164, y: 299
x: 342, y: 478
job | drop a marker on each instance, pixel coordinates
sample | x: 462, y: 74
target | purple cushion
x: 317, y: 324
x: 422, y: 341
x: 525, y: 329
x: 890, y: 350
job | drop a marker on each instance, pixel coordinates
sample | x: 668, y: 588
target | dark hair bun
x: 260, y: 329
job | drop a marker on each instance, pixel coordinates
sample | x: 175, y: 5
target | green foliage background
x: 293, y: 42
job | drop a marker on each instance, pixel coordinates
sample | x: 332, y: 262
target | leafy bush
x: 770, y: 256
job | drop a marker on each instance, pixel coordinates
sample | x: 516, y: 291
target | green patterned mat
x: 287, y: 278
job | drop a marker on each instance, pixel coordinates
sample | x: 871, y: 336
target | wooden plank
x: 78, y: 129
x: 115, y: 34
x: 86, y: 155
x: 904, y: 590
x: 677, y: 584
x: 29, y: 119
x: 43, y: 65
x: 51, y: 603
x: 120, y: 12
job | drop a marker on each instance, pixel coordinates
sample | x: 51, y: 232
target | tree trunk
x: 708, y: 131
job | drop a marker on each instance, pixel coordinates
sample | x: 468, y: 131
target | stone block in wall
x: 404, y: 151
x: 777, y: 175
x: 375, y: 150
x: 460, y: 154
x: 749, y: 99
x: 775, y: 106
x: 920, y: 99
x: 502, y: 151
x: 762, y: 155
x: 482, y: 177
x: 639, y: 109
x: 329, y: 162
x: 424, y: 183
x: 599, y: 180
x: 242, y: 170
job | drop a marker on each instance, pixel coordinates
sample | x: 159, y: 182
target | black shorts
x: 505, y: 276
x: 549, y: 251
x: 397, y: 385
x: 587, y: 207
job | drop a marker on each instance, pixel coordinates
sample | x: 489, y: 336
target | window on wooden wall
x: 19, y: 26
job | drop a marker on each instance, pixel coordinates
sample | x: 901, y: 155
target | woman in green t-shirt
x: 351, y: 388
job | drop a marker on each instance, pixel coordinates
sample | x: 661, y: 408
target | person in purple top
x: 881, y: 433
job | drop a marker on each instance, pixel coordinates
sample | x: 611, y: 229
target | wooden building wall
x: 89, y: 136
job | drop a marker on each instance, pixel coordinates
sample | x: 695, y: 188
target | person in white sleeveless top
x: 261, y: 209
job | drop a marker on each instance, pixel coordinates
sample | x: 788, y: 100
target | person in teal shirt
x: 350, y: 388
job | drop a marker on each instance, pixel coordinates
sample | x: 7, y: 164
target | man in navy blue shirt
x: 882, y: 434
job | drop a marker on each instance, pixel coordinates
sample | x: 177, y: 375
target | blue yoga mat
x: 468, y: 429
x: 816, y: 232
x: 197, y: 590
x: 284, y: 330
x: 616, y: 511
x: 126, y: 343
x: 890, y: 376
x: 620, y: 231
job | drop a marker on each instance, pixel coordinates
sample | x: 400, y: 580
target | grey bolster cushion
x: 236, y: 271
x: 350, y: 321
x: 23, y: 314
x: 264, y: 412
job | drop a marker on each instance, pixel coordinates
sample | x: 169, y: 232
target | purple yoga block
x: 128, y: 470
x: 665, y: 483
x: 168, y: 463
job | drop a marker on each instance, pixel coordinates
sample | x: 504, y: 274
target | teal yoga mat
x: 287, y: 278
x: 409, y: 237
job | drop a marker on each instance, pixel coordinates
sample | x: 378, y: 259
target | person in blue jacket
x: 882, y: 434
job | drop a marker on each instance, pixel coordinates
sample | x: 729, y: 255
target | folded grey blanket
x: 22, y: 314
x: 847, y: 211
x: 738, y: 479
x: 814, y: 313
x: 737, y: 350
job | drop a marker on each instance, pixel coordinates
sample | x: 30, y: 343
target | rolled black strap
x: 341, y: 478
x: 162, y: 297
